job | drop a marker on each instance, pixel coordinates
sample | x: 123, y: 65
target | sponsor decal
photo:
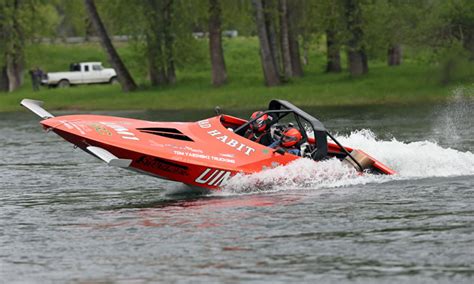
x: 120, y: 130
x: 74, y: 125
x: 193, y: 150
x: 102, y: 130
x: 68, y: 126
x: 176, y: 147
x: 203, y: 156
x: 227, y: 155
x: 205, y: 124
x: 231, y: 142
x: 162, y: 165
x: 213, y: 177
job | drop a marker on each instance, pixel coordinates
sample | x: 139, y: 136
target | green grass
x: 412, y: 82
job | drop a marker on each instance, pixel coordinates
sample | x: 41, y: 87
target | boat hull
x: 202, y: 154
x: 205, y: 162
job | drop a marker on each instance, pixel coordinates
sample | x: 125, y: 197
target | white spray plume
x: 410, y: 160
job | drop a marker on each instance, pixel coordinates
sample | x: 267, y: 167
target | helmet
x: 260, y: 123
x: 290, y: 137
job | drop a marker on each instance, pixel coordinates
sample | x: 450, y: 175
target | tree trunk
x: 125, y: 79
x: 169, y: 42
x: 3, y: 79
x: 14, y: 54
x: 357, y: 57
x: 333, y: 52
x: 356, y: 64
x: 3, y: 68
x: 268, y: 7
x: 296, y: 65
x: 293, y: 33
x: 284, y: 43
x: 14, y: 71
x: 219, y: 73
x: 153, y: 74
x: 156, y: 71
x: 394, y: 55
x: 154, y: 45
x: 365, y: 61
x: 269, y: 69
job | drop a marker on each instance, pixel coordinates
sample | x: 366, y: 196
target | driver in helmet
x: 259, y: 129
x: 289, y: 141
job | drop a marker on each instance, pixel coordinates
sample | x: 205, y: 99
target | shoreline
x: 84, y: 108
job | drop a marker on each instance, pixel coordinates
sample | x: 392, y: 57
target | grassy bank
x: 412, y: 82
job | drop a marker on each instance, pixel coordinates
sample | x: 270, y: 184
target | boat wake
x: 411, y: 160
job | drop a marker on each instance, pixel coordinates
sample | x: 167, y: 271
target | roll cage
x: 318, y: 150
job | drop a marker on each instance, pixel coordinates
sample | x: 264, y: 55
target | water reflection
x: 196, y: 211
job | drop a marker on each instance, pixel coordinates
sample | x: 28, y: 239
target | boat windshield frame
x: 278, y: 109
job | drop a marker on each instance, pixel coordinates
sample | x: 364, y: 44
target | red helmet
x: 260, y: 123
x: 290, y: 137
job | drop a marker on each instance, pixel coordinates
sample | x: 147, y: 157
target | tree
x: 269, y: 12
x: 445, y: 25
x: 3, y: 79
x: 447, y: 28
x: 284, y: 41
x: 460, y: 18
x: 169, y: 41
x: 238, y: 15
x: 72, y: 20
x: 294, y: 13
x: 387, y: 28
x: 394, y: 54
x: 270, y: 71
x: 333, y: 53
x: 3, y: 39
x: 154, y: 41
x: 154, y: 45
x: 219, y: 72
x: 357, y: 57
x: 12, y: 44
x: 125, y: 79
x: 154, y: 19
x: 333, y: 36
x: 324, y: 19
x: 19, y: 22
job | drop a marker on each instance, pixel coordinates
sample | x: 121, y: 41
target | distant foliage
x: 438, y: 32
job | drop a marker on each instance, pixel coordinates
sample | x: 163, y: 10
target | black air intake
x: 172, y: 133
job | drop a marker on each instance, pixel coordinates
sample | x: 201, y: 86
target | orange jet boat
x: 205, y: 153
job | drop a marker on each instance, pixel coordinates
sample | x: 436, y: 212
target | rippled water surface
x: 66, y: 217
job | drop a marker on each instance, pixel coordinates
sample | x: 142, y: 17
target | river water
x: 66, y: 217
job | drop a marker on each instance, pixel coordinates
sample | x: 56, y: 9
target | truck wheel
x: 64, y: 84
x: 114, y: 81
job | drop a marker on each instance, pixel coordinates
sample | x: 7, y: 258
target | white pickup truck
x: 81, y: 73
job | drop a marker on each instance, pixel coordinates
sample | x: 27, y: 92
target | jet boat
x: 205, y: 153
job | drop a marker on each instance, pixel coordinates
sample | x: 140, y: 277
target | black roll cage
x: 281, y: 108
